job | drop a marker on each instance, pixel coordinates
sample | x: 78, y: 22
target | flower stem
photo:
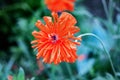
x: 70, y: 72
x: 105, y: 8
x: 90, y: 34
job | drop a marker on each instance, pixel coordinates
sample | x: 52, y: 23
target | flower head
x: 55, y: 40
x: 60, y: 5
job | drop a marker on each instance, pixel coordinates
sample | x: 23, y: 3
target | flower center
x: 53, y: 37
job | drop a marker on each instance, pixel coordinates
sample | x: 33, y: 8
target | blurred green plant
x: 20, y: 75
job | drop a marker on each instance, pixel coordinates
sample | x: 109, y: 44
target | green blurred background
x: 17, y: 58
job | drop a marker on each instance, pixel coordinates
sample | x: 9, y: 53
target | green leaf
x: 14, y: 78
x: 21, y: 74
x: 109, y: 77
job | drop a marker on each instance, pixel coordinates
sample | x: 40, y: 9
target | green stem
x: 105, y: 8
x: 90, y: 34
x: 70, y: 72
x: 109, y: 13
x: 110, y: 10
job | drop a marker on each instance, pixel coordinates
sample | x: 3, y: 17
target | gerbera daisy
x: 60, y: 5
x: 55, y: 40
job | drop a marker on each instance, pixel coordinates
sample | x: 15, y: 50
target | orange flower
x: 60, y: 5
x: 55, y: 41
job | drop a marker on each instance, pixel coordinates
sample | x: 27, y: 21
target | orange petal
x: 68, y: 17
x: 40, y: 26
x: 55, y: 16
x: 54, y: 53
x: 34, y: 41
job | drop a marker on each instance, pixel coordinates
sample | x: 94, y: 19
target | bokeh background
x: 18, y: 60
